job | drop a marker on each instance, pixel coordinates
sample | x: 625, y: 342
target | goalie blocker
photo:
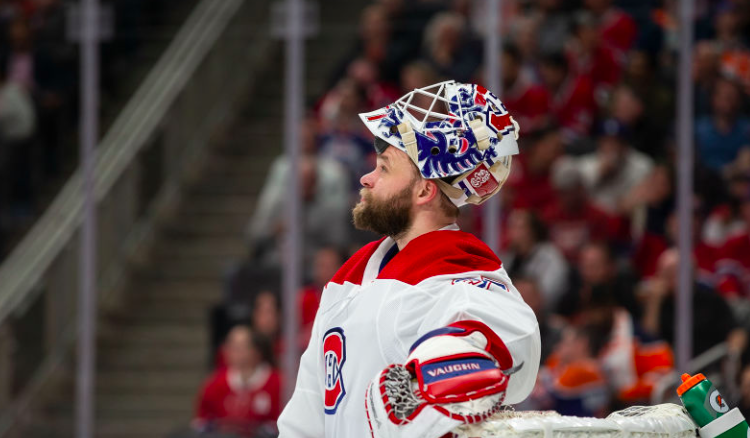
x: 454, y: 375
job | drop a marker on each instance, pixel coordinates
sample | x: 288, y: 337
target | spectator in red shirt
x: 326, y: 262
x: 524, y: 98
x: 529, y: 184
x: 572, y: 101
x: 244, y: 396
x: 589, y: 56
x: 572, y: 219
x: 733, y: 264
x: 617, y: 28
x: 651, y: 246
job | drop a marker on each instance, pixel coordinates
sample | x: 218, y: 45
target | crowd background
x: 588, y: 225
x: 39, y: 91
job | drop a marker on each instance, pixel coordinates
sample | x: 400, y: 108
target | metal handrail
x: 697, y: 364
x: 24, y: 268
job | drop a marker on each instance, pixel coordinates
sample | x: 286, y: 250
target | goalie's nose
x: 367, y: 180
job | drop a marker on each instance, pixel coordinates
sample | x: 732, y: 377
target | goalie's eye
x: 435, y: 150
x: 452, y: 149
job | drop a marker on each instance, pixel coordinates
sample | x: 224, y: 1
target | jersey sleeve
x: 303, y: 415
x: 437, y: 302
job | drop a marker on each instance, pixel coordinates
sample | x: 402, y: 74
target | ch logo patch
x: 334, y: 356
x: 481, y: 282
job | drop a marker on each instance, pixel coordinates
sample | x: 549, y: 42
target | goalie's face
x: 385, y: 206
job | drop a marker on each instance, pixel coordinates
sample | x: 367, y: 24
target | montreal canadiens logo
x: 334, y: 356
x: 718, y: 403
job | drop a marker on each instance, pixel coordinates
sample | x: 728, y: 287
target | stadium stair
x: 153, y: 352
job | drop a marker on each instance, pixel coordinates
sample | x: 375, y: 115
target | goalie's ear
x: 478, y: 334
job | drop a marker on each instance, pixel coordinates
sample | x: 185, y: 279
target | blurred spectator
x: 705, y: 74
x: 573, y: 377
x: 266, y: 317
x: 572, y: 219
x: 244, y: 396
x: 19, y: 56
x: 744, y: 403
x: 658, y: 294
x: 340, y: 106
x: 733, y: 260
x: 449, y: 47
x: 651, y: 246
x: 531, y: 255
x: 597, y: 268
x: 375, y: 44
x: 572, y: 101
x: 727, y: 27
x: 17, y: 116
x: 325, y: 195
x: 632, y: 360
x: 44, y: 72
x: 530, y: 182
x: 588, y: 56
x: 523, y: 34
x: 326, y: 262
x: 726, y: 220
x: 342, y: 135
x: 610, y: 173
x: 554, y: 26
x: 418, y: 74
x: 617, y: 28
x: 642, y: 77
x: 377, y: 92
x: 550, y: 327
x: 720, y: 135
x: 646, y: 135
x: 650, y: 202
x: 525, y: 99
x: 17, y: 125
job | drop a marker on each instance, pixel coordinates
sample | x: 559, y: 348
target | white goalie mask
x: 459, y: 135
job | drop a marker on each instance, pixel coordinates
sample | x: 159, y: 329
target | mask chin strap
x: 409, y: 140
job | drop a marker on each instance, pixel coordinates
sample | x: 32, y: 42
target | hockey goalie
x: 421, y: 331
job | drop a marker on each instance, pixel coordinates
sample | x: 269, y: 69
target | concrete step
x: 211, y: 224
x: 151, y: 289
x: 202, y: 246
x: 178, y: 338
x: 134, y: 407
x: 209, y: 269
x: 213, y: 188
x: 228, y: 203
x: 63, y: 427
x: 167, y: 313
x: 147, y: 382
x: 156, y: 354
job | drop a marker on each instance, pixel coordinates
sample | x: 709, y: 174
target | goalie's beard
x: 390, y: 217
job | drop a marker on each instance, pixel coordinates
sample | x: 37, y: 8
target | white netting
x: 660, y: 421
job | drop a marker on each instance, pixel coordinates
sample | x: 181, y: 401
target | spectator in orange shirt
x: 573, y: 377
x: 245, y: 396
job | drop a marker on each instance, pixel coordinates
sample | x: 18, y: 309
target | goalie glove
x: 454, y: 375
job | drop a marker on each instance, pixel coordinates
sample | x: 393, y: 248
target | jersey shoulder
x: 444, y: 252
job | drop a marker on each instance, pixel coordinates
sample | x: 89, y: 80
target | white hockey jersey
x: 376, y: 306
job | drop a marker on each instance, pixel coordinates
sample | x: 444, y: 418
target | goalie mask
x: 459, y: 135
